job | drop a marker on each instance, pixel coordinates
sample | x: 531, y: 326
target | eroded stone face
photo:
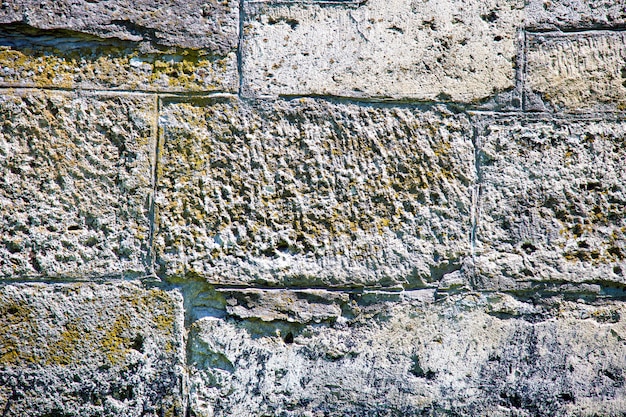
x: 466, y: 355
x: 552, y: 204
x: 578, y: 72
x: 307, y: 192
x: 90, y: 350
x: 426, y: 50
x: 76, y: 184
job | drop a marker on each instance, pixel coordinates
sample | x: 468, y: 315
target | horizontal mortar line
x: 89, y: 90
x: 542, y: 115
x: 305, y: 2
x: 338, y: 289
x: 104, y: 279
x: 371, y: 100
x: 574, y: 31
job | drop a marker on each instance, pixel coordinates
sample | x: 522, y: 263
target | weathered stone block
x: 575, y: 14
x: 90, y: 350
x: 196, y: 24
x: 578, y: 71
x: 425, y: 50
x: 76, y: 183
x: 65, y: 59
x: 553, y: 198
x: 308, y: 192
x: 465, y: 355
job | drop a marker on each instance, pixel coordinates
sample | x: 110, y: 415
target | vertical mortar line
x: 521, y: 66
x: 155, y: 170
x: 476, y: 191
x: 240, y: 47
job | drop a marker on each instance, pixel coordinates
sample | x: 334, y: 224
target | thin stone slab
x: 463, y: 355
x: 552, y: 204
x: 578, y: 72
x: 76, y: 185
x: 90, y: 350
x: 196, y: 24
x: 313, y: 193
x: 423, y: 50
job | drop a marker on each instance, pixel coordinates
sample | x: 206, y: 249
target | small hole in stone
x: 289, y: 338
x: 617, y: 269
x: 138, y: 343
x: 73, y: 227
x: 528, y: 247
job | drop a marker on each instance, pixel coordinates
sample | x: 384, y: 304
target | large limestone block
x: 464, y: 355
x: 460, y: 50
x: 575, y: 14
x: 552, y: 204
x: 76, y: 184
x: 309, y: 192
x: 197, y: 24
x: 90, y: 350
x: 578, y: 71
x: 68, y: 59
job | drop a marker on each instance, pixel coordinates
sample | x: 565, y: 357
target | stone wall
x: 319, y: 208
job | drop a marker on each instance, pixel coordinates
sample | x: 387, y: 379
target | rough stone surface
x: 307, y: 192
x: 75, y: 184
x: 90, y: 350
x: 312, y: 208
x: 578, y: 72
x: 552, y: 204
x: 211, y: 25
x: 66, y: 59
x: 575, y: 14
x: 464, y: 355
x: 426, y: 50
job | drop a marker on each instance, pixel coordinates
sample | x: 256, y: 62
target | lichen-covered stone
x: 578, y: 72
x: 575, y: 14
x: 552, y: 204
x: 426, y: 50
x: 198, y: 24
x: 76, y: 184
x: 309, y: 192
x: 90, y: 350
x: 65, y: 59
x: 465, y: 355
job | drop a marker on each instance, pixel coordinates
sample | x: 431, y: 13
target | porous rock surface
x: 312, y: 208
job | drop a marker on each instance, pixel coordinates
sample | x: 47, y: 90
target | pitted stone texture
x: 76, y: 184
x: 211, y: 25
x: 575, y: 14
x: 466, y: 355
x: 552, y: 204
x: 90, y: 350
x: 65, y: 59
x: 307, y: 192
x: 426, y: 50
x: 578, y: 72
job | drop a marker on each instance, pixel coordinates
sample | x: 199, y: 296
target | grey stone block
x: 309, y: 192
x: 423, y: 50
x: 465, y: 355
x: 90, y: 350
x: 76, y: 184
x: 552, y: 204
x: 578, y: 72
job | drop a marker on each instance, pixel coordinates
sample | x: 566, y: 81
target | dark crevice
x: 242, y: 16
x: 150, y: 261
x: 559, y: 30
